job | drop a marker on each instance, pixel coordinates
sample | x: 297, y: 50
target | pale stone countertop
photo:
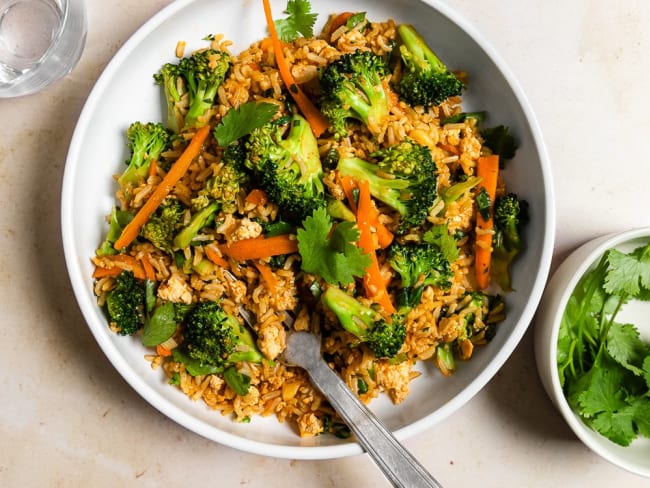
x: 69, y: 419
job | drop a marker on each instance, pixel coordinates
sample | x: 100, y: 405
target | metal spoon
x: 397, y: 464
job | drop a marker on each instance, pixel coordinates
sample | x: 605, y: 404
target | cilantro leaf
x: 628, y: 272
x: 439, y: 235
x: 602, y: 391
x: 646, y: 371
x: 642, y: 416
x: 241, y: 121
x: 300, y: 20
x: 626, y: 347
x: 617, y: 426
x: 331, y: 252
x: 500, y: 141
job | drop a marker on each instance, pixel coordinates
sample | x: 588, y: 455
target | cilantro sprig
x: 243, y: 120
x: 604, y: 365
x: 331, y: 251
x: 300, y: 20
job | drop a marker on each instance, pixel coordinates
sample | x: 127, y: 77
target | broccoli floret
x: 204, y: 72
x: 419, y: 265
x: 147, y: 142
x: 117, y: 221
x: 215, y: 338
x: 510, y: 215
x: 384, y: 337
x: 199, y: 220
x: 163, y: 225
x: 425, y: 80
x: 353, y: 88
x: 199, y: 76
x: 288, y: 167
x: 169, y: 77
x: 403, y: 177
x: 125, y: 304
x: 225, y: 186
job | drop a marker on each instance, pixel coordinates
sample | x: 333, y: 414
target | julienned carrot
x: 102, y: 272
x: 260, y: 247
x: 149, y: 272
x: 373, y: 281
x: 162, y: 351
x: 450, y: 148
x: 316, y: 119
x: 176, y: 172
x: 120, y: 263
x: 487, y: 167
x: 214, y: 256
x: 267, y: 275
x: 153, y: 168
x: 257, y: 197
x: 384, y: 235
x: 348, y: 185
x: 339, y: 20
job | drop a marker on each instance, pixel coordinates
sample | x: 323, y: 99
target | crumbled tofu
x: 272, y: 340
x: 175, y: 289
x: 395, y: 378
x: 309, y: 425
x: 247, y: 229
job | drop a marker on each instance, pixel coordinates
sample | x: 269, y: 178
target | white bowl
x: 125, y: 93
x: 636, y: 457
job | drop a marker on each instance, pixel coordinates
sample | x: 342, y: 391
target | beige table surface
x: 68, y: 419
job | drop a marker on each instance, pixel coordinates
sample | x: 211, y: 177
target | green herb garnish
x: 604, y: 365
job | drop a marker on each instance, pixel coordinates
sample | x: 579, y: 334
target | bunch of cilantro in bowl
x: 604, y: 364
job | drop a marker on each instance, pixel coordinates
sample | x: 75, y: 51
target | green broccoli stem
x: 457, y: 190
x: 199, y: 220
x: 387, y: 190
x: 419, y: 47
x: 355, y: 317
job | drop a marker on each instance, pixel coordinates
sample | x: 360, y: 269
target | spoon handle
x: 397, y: 464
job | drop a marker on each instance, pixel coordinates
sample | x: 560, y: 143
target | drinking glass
x: 40, y: 42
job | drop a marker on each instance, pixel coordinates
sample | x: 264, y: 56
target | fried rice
x: 277, y: 389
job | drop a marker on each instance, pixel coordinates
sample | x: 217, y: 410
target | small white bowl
x: 636, y: 457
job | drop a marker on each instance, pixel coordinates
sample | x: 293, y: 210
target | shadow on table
x: 519, y: 397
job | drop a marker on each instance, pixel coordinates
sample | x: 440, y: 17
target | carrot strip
x: 316, y: 119
x: 102, y: 272
x: 338, y: 21
x: 373, y: 281
x: 266, y: 44
x: 257, y: 197
x: 260, y: 247
x: 487, y: 167
x: 153, y: 168
x: 130, y: 232
x: 450, y: 148
x: 122, y: 262
x: 214, y: 256
x: 162, y: 351
x: 149, y: 272
x: 384, y: 235
x: 348, y: 185
x: 267, y: 275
